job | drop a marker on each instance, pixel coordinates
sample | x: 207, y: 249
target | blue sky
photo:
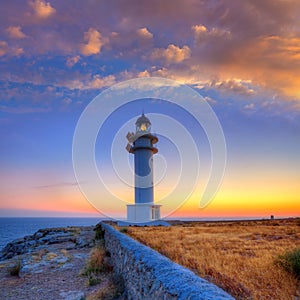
x: 242, y: 57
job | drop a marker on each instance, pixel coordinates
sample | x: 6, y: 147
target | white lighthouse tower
x: 141, y: 146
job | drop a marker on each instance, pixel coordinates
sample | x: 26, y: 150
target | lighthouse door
x: 155, y: 213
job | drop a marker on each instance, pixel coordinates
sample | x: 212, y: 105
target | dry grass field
x: 237, y: 256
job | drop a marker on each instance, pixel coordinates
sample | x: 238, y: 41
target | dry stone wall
x: 150, y: 275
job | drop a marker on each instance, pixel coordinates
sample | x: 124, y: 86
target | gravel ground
x: 51, y: 271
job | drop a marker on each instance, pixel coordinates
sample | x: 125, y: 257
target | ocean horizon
x: 12, y: 228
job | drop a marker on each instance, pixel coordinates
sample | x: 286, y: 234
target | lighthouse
x: 140, y: 144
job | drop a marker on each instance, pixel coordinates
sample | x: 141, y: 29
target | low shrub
x: 107, y: 292
x: 93, y: 280
x: 99, y: 235
x: 96, y: 262
x: 97, y: 265
x: 290, y: 261
x: 124, y: 230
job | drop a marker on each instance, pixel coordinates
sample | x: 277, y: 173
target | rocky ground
x: 48, y: 265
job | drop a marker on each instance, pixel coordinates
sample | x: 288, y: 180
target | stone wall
x: 150, y: 275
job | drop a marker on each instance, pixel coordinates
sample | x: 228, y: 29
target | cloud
x: 42, y: 9
x: 144, y: 33
x: 199, y: 30
x: 3, y: 48
x: 71, y: 61
x: 89, y: 83
x: 100, y: 82
x: 130, y: 43
x: 56, y: 185
x: 223, y: 40
x: 173, y: 54
x: 275, y: 63
x: 236, y: 86
x: 143, y: 74
x: 66, y: 101
x: 201, y: 33
x: 17, y: 51
x: 48, y: 40
x: 94, y: 40
x: 249, y: 106
x: 15, y: 32
x: 160, y: 15
x: 210, y: 100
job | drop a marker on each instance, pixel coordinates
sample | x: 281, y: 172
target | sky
x: 242, y: 57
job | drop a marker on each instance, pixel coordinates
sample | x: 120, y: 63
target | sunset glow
x: 243, y: 57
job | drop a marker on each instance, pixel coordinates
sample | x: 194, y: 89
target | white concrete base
x: 145, y: 224
x: 143, y: 212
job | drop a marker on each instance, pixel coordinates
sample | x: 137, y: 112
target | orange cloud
x: 144, y: 33
x: 143, y: 74
x: 234, y: 85
x: 86, y: 83
x: 12, y: 51
x: 100, y: 82
x: 221, y: 60
x: 42, y: 9
x: 15, y: 32
x: 173, y: 54
x: 199, y: 29
x: 94, y: 43
x: 3, y: 48
x: 274, y: 61
x: 17, y: 51
x: 201, y: 32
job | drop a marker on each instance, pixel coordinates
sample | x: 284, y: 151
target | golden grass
x: 97, y: 258
x: 66, y: 253
x: 95, y: 266
x: 37, y: 256
x: 99, y: 271
x: 237, y: 256
x: 107, y: 292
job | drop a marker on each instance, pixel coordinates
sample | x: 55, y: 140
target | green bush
x: 290, y: 261
x: 124, y: 230
x: 93, y: 280
x: 99, y: 235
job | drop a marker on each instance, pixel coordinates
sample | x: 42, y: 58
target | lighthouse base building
x: 143, y: 212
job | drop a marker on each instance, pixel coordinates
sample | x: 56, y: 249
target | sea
x: 14, y: 228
